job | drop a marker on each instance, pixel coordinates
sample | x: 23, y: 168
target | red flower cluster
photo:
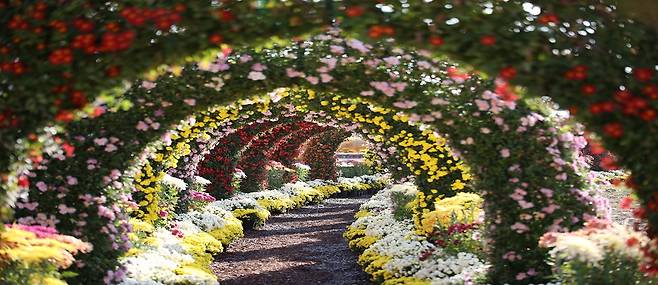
x: 255, y: 158
x: 378, y: 31
x: 162, y: 18
x: 287, y: 149
x: 319, y: 154
x: 219, y: 165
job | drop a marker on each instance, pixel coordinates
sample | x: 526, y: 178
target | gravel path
x: 304, y: 246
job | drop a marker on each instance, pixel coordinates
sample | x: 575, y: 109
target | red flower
x: 588, y: 89
x: 548, y: 18
x: 508, y: 73
x: 608, y: 163
x: 23, y: 181
x: 377, y: 31
x: 488, y: 40
x: 215, y: 39
x: 615, y: 130
x: 78, y: 99
x: 68, y: 149
x: 650, y: 91
x: 626, y: 203
x: 579, y: 72
x: 113, y: 71
x: 633, y: 241
x: 602, y: 107
x: 648, y: 115
x: 643, y: 74
x: 354, y: 11
x: 83, y: 25
x: 61, y: 56
x: 596, y: 148
x: 436, y: 41
x: 226, y: 15
x: 64, y: 116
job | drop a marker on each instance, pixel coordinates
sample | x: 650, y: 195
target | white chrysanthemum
x: 398, y: 241
x: 577, y: 248
x: 201, y: 180
x: 174, y: 182
x: 302, y: 166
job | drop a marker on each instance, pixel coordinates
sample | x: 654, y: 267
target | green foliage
x: 357, y: 169
x: 302, y: 172
x: 276, y: 177
x: 402, y: 205
x: 612, y: 270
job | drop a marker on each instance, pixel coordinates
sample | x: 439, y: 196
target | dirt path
x: 304, y: 246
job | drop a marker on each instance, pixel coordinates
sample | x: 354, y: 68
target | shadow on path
x: 304, y: 246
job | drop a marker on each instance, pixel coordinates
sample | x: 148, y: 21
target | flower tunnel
x: 409, y: 105
x: 550, y: 48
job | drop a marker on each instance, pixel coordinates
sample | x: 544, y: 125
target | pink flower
x: 367, y: 93
x: 406, y: 104
x: 142, y: 126
x: 525, y: 204
x: 520, y: 228
x: 550, y: 209
x: 256, y: 75
x: 547, y: 192
x: 313, y: 80
x: 100, y: 141
x: 562, y: 176
x: 339, y: 50
x: 482, y: 105
x: 330, y: 62
x: 148, y: 85
x: 399, y: 86
x: 110, y: 148
x: 325, y: 77
x: 392, y: 60
x: 521, y: 276
x: 245, y: 58
x: 70, y: 180
x: 42, y: 186
x: 504, y: 153
x: 63, y: 209
x: 294, y: 73
x: 358, y: 45
x: 190, y: 102
x: 258, y: 67
x: 384, y: 87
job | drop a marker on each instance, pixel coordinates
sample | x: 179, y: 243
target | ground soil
x: 303, y: 246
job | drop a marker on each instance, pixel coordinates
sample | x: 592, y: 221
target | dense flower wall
x: 287, y: 150
x: 220, y: 163
x: 319, y: 154
x: 254, y: 158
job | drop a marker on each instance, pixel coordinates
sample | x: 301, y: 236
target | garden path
x: 304, y: 246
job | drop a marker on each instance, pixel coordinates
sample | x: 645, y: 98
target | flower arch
x: 319, y: 154
x: 490, y: 133
x: 254, y: 157
x: 287, y: 149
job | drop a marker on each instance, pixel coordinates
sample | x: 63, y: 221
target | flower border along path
x: 183, y: 253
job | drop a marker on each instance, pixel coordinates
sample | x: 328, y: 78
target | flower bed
x: 393, y: 252
x: 182, y: 253
x: 33, y: 254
